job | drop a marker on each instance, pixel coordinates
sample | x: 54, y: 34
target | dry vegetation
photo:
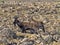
x: 31, y: 13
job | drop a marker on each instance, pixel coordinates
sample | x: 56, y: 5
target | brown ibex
x: 24, y: 28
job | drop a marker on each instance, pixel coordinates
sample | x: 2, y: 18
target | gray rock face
x: 6, y: 32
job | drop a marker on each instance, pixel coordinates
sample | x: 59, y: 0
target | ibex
x: 24, y: 28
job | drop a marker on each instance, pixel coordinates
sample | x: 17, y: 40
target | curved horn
x: 16, y: 17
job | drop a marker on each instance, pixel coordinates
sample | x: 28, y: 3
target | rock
x: 12, y: 44
x: 38, y: 41
x: 53, y: 32
x: 7, y: 33
x: 48, y: 40
x: 56, y: 37
x: 3, y: 40
x: 30, y: 42
x: 25, y: 39
x: 5, y: 20
x: 1, y: 28
x: 1, y: 19
x: 57, y: 5
x: 46, y: 20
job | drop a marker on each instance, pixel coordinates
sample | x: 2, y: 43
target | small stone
x: 25, y: 39
x: 12, y: 44
x: 46, y: 20
x: 29, y: 42
x: 38, y: 41
x: 57, y: 6
x: 56, y: 37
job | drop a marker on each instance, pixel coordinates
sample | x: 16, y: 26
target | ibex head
x: 15, y: 20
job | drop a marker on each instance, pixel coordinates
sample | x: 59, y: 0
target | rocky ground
x: 31, y: 14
